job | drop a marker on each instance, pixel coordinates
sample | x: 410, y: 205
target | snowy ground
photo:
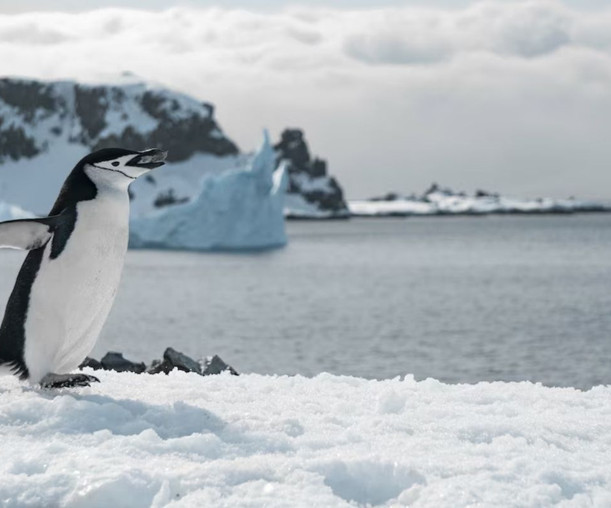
x: 186, y: 440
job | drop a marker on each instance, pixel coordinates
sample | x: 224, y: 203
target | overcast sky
x: 503, y: 95
x: 262, y: 5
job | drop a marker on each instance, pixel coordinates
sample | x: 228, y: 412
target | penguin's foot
x: 67, y: 380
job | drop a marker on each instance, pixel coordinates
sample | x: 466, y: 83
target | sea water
x: 459, y: 299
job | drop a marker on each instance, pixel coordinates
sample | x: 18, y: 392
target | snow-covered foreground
x: 185, y: 440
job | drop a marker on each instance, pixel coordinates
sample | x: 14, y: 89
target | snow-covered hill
x: 250, y: 440
x: 312, y: 193
x: 442, y: 201
x: 46, y: 127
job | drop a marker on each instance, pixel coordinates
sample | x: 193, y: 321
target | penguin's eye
x: 115, y: 163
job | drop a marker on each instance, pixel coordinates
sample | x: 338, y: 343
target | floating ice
x: 236, y: 209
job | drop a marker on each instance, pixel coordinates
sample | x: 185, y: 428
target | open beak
x: 149, y: 159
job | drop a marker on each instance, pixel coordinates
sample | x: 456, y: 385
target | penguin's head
x: 118, y: 166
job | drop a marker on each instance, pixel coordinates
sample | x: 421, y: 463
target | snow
x: 394, y: 207
x: 297, y: 207
x: 238, y: 209
x: 186, y: 440
x: 307, y: 183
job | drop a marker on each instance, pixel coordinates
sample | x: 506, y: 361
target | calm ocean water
x: 461, y: 299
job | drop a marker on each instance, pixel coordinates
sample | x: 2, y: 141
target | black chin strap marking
x: 114, y: 171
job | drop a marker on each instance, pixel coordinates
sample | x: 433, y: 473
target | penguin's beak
x: 149, y: 159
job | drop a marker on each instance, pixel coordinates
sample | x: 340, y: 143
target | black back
x: 77, y: 187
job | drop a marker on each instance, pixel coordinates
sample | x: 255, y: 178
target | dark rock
x: 91, y: 107
x: 168, y: 198
x: 182, y: 137
x: 479, y: 193
x: 158, y: 366
x: 92, y: 363
x: 390, y: 196
x: 15, y: 143
x: 318, y: 168
x: 328, y: 197
x: 216, y: 365
x: 115, y: 361
x: 293, y: 147
x: 181, y: 361
x: 27, y: 96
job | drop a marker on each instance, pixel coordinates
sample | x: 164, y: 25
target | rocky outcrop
x: 115, y: 361
x: 311, y: 193
x: 35, y: 115
x: 437, y: 200
x: 47, y: 126
x: 172, y: 360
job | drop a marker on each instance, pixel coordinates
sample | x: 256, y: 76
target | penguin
x: 68, y: 281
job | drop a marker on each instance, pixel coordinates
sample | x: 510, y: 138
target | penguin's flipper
x: 26, y: 234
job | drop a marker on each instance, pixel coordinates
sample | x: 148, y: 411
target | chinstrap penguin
x: 69, y: 279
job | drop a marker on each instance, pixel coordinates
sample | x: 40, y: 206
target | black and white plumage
x: 69, y: 279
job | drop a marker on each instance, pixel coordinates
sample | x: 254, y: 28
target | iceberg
x: 239, y: 209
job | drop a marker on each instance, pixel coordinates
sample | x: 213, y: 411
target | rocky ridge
x: 438, y: 200
x: 36, y: 114
x: 172, y: 359
x: 311, y: 193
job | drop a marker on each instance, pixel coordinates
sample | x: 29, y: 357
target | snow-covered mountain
x: 443, y: 201
x: 46, y: 127
x: 312, y: 193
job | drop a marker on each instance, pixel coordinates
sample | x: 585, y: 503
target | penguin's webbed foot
x: 67, y: 380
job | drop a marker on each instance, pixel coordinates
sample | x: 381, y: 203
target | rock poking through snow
x: 172, y: 360
x: 215, y: 365
x: 50, y: 125
x: 443, y: 201
x: 115, y: 361
x: 312, y: 193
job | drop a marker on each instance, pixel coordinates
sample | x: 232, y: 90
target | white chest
x: 73, y: 293
x: 92, y: 260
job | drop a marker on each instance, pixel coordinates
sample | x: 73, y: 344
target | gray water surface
x: 461, y: 299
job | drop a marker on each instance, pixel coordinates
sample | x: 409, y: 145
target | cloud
x: 514, y: 96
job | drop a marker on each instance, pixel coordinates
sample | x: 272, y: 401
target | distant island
x: 443, y: 201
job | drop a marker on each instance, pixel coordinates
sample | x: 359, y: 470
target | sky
x: 510, y: 96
